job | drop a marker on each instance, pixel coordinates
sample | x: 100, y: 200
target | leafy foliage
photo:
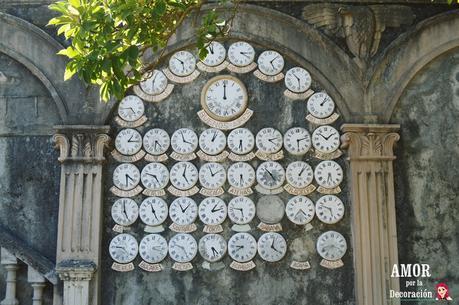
x: 109, y: 37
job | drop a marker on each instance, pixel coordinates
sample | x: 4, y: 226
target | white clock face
x: 212, y: 141
x: 184, y: 175
x: 155, y: 83
x: 182, y: 63
x: 329, y: 209
x: 321, y: 105
x: 216, y: 54
x: 125, y: 211
x: 270, y: 175
x: 242, y: 247
x: 269, y: 140
x: 126, y: 176
x: 241, y: 175
x: 272, y: 247
x: 241, y: 210
x: 224, y: 97
x: 183, y: 248
x: 270, y: 62
x: 300, y: 210
x: 153, y: 248
x: 212, y: 247
x: 241, y: 141
x: 123, y: 248
x: 325, y: 139
x: 131, y: 108
x: 297, y: 141
x: 297, y: 80
x: 128, y: 141
x: 328, y: 174
x: 153, y: 211
x: 184, y: 141
x: 155, y: 176
x: 183, y: 211
x: 241, y: 54
x: 212, y: 175
x: 156, y: 141
x: 299, y: 174
x: 212, y: 211
x: 331, y: 245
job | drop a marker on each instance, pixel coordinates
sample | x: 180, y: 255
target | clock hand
x: 238, y: 248
x: 183, y: 138
x: 215, y: 210
x: 214, y: 136
x: 181, y: 61
x: 272, y: 139
x: 324, y: 101
x: 154, y: 176
x: 274, y: 248
x: 329, y: 177
x: 130, y: 108
x: 157, y: 143
x: 153, y: 210
x: 241, y: 179
x: 128, y: 177
x: 272, y: 176
x: 326, y: 138
x: 240, y: 210
x: 240, y: 144
x: 214, y: 252
x: 186, y: 208
x: 124, y: 210
x: 302, y: 170
x: 130, y: 140
x: 211, y: 173
x: 245, y: 54
x: 224, y: 90
x: 297, y: 78
x: 184, y: 174
x: 274, y: 59
x: 183, y: 249
x: 211, y: 49
x: 216, y: 173
x: 122, y: 248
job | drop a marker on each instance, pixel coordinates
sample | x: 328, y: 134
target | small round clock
x: 183, y: 175
x: 331, y: 245
x: 212, y: 211
x: 182, y: 63
x: 131, y: 108
x: 241, y: 175
x: 321, y: 105
x: 297, y: 141
x: 153, y: 248
x: 155, y: 176
x: 212, y: 247
x: 328, y: 174
x: 212, y: 175
x: 125, y: 211
x: 123, y: 248
x: 270, y: 175
x: 269, y: 140
x: 270, y: 62
x: 154, y: 83
x: 126, y: 176
x: 184, y: 141
x: 212, y: 141
x: 153, y: 211
x: 300, y: 210
x: 183, y: 211
x: 299, y: 174
x: 224, y: 98
x: 272, y: 247
x: 128, y: 141
x: 241, y: 210
x: 183, y: 248
x: 216, y: 54
x: 241, y: 141
x: 325, y: 139
x: 329, y: 209
x: 242, y: 247
x: 297, y: 80
x: 241, y: 54
x: 156, y: 141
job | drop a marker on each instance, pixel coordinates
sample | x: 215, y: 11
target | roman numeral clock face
x: 325, y: 139
x: 128, y: 141
x: 224, y: 98
x: 131, y: 108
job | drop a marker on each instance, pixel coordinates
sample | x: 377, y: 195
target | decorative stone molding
x: 361, y: 26
x: 80, y: 209
x: 370, y: 152
x: 76, y: 275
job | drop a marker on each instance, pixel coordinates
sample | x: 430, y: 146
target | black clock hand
x: 211, y: 49
x: 241, y: 179
x: 297, y: 78
x: 153, y: 210
x: 224, y: 90
x: 238, y: 248
x: 183, y: 138
x: 128, y: 177
x: 154, y: 176
x: 184, y: 174
x: 157, y: 143
x: 302, y: 170
x: 186, y: 208
x: 326, y: 138
x: 240, y: 210
x: 124, y: 210
x: 130, y: 108
x: 215, y: 173
x: 122, y: 248
x: 325, y: 100
x: 211, y: 173
x: 271, y: 175
x: 272, y: 139
x: 214, y: 252
x: 130, y: 140
x: 216, y: 210
x: 215, y: 136
x: 245, y: 54
x: 240, y: 144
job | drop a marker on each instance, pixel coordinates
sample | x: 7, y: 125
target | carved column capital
x: 369, y: 142
x: 81, y: 142
x: 76, y: 270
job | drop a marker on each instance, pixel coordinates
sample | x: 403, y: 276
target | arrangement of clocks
x: 233, y: 161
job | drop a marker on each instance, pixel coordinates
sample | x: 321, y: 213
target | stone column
x: 38, y: 282
x: 374, y: 231
x: 80, y: 211
x: 10, y: 263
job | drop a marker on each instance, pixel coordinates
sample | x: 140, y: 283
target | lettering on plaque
x: 327, y: 121
x: 331, y: 264
x: 242, y: 70
x: 217, y: 158
x: 179, y: 193
x: 134, y: 124
x: 300, y: 265
x: 154, y: 98
x: 298, y: 96
x: 150, y: 267
x: 183, y: 157
x: 296, y: 191
x: 128, y: 159
x: 181, y: 79
x: 183, y: 228
x: 205, y: 68
x: 120, y: 193
x: 123, y: 267
x: 242, y: 266
x: 277, y: 227
x: 268, y: 78
x: 182, y: 266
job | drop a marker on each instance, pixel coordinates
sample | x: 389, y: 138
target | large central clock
x: 224, y: 98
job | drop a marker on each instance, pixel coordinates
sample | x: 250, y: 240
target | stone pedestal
x: 10, y: 263
x: 370, y: 152
x: 80, y: 210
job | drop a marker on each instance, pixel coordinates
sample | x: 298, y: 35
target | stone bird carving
x: 361, y: 26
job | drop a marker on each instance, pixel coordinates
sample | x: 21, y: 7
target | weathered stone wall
x: 426, y: 172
